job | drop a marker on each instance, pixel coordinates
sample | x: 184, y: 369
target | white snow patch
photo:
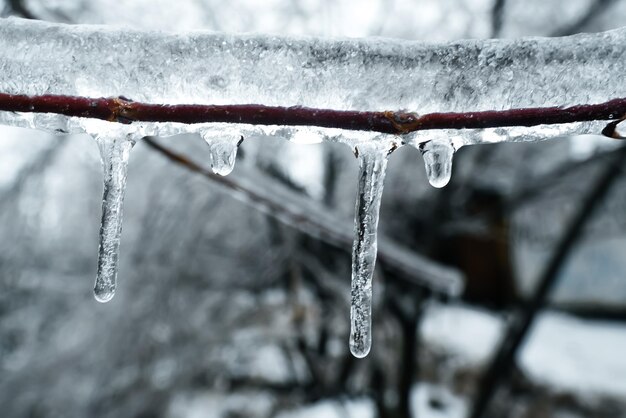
x: 465, y: 332
x: 570, y: 354
x: 357, y: 408
x: 219, y: 405
x: 579, y: 355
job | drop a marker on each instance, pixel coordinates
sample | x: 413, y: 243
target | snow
x: 585, y: 357
x: 219, y: 405
x: 354, y: 408
x: 566, y: 353
x: 467, y: 333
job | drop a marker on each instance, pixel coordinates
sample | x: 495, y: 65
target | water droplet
x: 223, y: 150
x: 438, y: 155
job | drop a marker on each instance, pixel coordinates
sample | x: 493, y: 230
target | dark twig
x: 500, y: 367
x: 393, y: 122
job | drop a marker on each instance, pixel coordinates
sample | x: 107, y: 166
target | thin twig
x: 126, y: 111
x: 500, y: 367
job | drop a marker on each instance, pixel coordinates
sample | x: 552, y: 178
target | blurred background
x: 223, y: 311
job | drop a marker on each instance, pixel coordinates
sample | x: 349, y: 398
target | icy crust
x: 347, y: 74
x: 373, y: 74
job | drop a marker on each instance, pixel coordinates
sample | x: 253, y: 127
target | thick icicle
x: 114, y: 153
x: 373, y: 164
x: 438, y: 155
x: 223, y: 149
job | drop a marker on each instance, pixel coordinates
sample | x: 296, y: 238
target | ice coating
x: 370, y: 74
x: 438, y: 155
x: 114, y: 151
x: 223, y: 145
x: 372, y: 167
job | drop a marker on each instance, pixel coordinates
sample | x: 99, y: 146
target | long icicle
x: 373, y: 165
x: 114, y: 153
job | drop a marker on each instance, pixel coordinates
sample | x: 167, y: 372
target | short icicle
x: 223, y: 150
x: 373, y: 164
x: 114, y: 152
x: 438, y: 155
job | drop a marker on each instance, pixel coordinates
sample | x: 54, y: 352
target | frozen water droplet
x: 114, y: 153
x: 373, y: 164
x: 223, y: 150
x: 438, y: 155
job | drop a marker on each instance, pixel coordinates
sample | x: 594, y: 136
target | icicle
x: 438, y: 155
x: 373, y: 164
x: 223, y: 148
x: 114, y: 153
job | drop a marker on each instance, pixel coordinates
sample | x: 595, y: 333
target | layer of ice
x: 371, y: 74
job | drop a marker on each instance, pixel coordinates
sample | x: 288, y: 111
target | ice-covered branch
x: 368, y: 77
x: 63, y: 78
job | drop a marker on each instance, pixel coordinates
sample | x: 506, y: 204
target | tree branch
x: 500, y: 367
x: 123, y: 110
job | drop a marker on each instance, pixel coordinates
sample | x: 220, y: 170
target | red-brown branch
x: 127, y: 111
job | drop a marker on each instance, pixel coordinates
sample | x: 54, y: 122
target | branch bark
x: 123, y: 110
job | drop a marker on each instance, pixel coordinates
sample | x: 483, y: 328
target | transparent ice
x: 346, y: 74
x: 114, y: 152
x: 372, y: 167
x: 438, y: 155
x: 223, y: 145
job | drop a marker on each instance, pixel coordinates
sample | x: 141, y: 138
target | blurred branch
x: 407, y: 308
x: 17, y: 8
x: 122, y: 110
x: 542, y: 185
x: 592, y: 312
x: 312, y: 218
x: 36, y: 166
x: 595, y: 9
x: 500, y: 367
x: 497, y: 17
